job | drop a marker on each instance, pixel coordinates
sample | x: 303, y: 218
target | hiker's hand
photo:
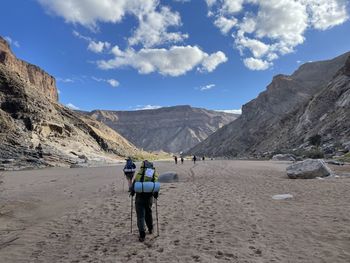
x: 155, y: 195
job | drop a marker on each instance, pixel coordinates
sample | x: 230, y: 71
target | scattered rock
x: 335, y: 162
x: 308, y: 169
x: 284, y: 157
x: 282, y: 196
x: 168, y: 177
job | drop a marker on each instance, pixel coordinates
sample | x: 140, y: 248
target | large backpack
x: 147, y: 182
x: 129, y: 166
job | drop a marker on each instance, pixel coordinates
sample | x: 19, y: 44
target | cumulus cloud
x: 98, y: 47
x: 175, y: 61
x: 12, y: 41
x: 256, y: 64
x: 152, y: 30
x: 94, y: 46
x: 325, y: 14
x: 114, y: 83
x: 154, y: 19
x: 72, y: 106
x: 211, y: 62
x: 266, y: 30
x: 225, y: 24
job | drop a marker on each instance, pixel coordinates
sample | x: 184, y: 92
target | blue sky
x: 133, y: 54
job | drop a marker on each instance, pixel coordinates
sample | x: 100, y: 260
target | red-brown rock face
x: 31, y: 73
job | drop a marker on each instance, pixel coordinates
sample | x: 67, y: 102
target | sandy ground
x: 220, y: 211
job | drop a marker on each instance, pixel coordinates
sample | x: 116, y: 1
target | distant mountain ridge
x: 314, y: 100
x: 170, y: 129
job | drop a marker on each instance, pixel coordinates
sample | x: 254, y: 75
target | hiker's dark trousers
x: 143, y: 204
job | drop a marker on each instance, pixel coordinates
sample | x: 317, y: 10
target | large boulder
x: 284, y: 157
x: 308, y: 169
x: 168, y: 177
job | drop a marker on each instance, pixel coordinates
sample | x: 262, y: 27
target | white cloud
x: 225, y: 24
x: 152, y: 30
x: 257, y: 48
x: 65, y: 80
x: 11, y: 41
x: 256, y: 64
x: 232, y: 6
x: 94, y: 46
x: 154, y: 19
x: 98, y: 47
x: 211, y: 62
x: 210, y: 3
x: 231, y: 111
x: 269, y: 29
x: 207, y: 87
x: 326, y: 14
x: 72, y: 106
x: 182, y: 1
x: 147, y: 107
x: 175, y: 61
x: 113, y: 82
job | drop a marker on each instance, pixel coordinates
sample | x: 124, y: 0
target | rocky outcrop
x: 32, y: 74
x: 308, y: 169
x: 284, y: 157
x: 37, y: 132
x: 313, y: 100
x: 171, y: 129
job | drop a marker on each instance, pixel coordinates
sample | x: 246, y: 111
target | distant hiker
x: 203, y: 158
x: 182, y: 160
x: 194, y: 159
x: 129, y: 170
x: 144, y: 200
x: 175, y: 158
x: 39, y: 149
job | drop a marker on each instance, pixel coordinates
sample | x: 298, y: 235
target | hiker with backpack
x: 144, y: 197
x: 129, y: 170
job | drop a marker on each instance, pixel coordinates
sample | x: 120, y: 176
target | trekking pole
x: 123, y: 183
x: 157, y: 218
x: 131, y: 213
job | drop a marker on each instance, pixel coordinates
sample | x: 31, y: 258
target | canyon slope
x: 170, y: 129
x: 313, y: 101
x: 37, y: 131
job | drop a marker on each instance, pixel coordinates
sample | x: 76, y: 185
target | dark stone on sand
x: 168, y: 177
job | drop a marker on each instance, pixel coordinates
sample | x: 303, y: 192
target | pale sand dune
x: 220, y: 211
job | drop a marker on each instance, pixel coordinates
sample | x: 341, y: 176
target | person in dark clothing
x: 144, y: 201
x: 182, y: 160
x: 129, y: 170
x: 194, y: 159
x: 175, y: 158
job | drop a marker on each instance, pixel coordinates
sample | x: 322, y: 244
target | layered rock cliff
x: 36, y: 131
x: 29, y: 73
x: 314, y: 100
x: 171, y: 129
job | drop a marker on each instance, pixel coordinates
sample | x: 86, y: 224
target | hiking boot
x: 150, y: 231
x: 142, y: 236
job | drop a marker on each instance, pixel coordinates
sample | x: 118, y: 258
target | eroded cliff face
x: 171, y: 129
x: 28, y: 72
x: 290, y: 111
x: 38, y: 132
